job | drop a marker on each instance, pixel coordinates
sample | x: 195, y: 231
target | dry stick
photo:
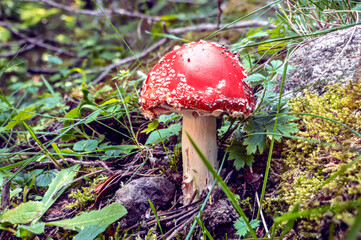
x: 167, y: 215
x: 108, y: 12
x: 72, y: 161
x: 220, y: 11
x: 172, y: 217
x: 36, y: 41
x: 12, y: 54
x: 176, y: 229
x: 106, y: 167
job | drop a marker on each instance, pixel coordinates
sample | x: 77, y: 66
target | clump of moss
x: 328, y: 146
x: 83, y: 197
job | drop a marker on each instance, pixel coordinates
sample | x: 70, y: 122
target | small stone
x: 134, y: 196
x: 220, y: 216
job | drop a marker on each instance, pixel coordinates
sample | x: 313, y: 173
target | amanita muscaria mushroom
x: 201, y: 81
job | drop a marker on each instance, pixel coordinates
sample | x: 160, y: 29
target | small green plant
x: 260, y: 125
x: 241, y: 226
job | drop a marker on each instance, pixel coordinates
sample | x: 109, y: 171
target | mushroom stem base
x: 195, y: 173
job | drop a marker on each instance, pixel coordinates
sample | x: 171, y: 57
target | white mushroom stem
x: 202, y: 129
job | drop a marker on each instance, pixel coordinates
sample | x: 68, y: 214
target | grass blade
x: 224, y: 187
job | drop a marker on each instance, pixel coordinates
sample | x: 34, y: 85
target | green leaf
x: 166, y: 118
x: 260, y: 126
x: 238, y: 153
x: 256, y: 79
x: 113, y: 100
x: 58, y: 186
x: 85, y: 145
x: 90, y: 232
x: 256, y: 141
x: 25, y: 231
x: 163, y: 134
x: 70, y: 134
x: 151, y: 126
x: 274, y: 65
x: 103, y: 217
x: 24, y: 213
x: 241, y: 226
x: 44, y: 179
x: 73, y: 114
x: 21, y: 116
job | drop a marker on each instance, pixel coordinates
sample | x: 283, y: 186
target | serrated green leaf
x: 166, y: 118
x: 237, y: 152
x: 241, y: 226
x: 21, y: 116
x: 254, y: 142
x: 85, y: 145
x: 163, y: 134
x: 103, y: 217
x: 256, y: 79
x: 24, y: 213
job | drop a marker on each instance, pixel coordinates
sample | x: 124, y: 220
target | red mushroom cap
x: 201, y: 76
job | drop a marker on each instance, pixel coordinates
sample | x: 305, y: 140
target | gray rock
x: 134, y: 196
x: 332, y: 58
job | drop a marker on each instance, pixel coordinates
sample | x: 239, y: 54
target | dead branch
x: 108, y: 12
x: 36, y: 41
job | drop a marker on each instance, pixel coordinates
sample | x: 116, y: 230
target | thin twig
x: 35, y: 41
x: 175, y: 230
x: 14, y: 53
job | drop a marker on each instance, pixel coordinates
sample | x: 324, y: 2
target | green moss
x: 329, y: 146
x: 84, y: 196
